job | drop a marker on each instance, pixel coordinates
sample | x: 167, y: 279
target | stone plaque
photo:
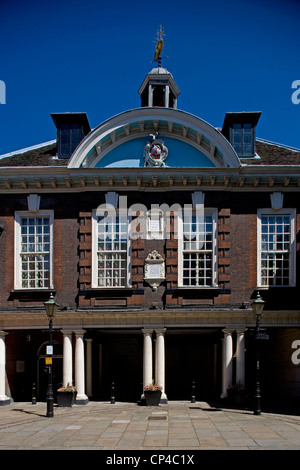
x: 154, y: 269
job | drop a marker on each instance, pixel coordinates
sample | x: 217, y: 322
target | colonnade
x: 153, y: 371
x: 227, y: 359
x: 81, y: 398
x: 154, y: 374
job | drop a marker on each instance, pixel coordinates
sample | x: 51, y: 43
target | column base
x: 4, y: 400
x: 81, y: 400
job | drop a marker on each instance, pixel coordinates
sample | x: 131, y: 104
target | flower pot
x: 152, y: 398
x: 66, y: 398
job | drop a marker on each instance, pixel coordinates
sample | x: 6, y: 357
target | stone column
x: 226, y: 362
x: 81, y: 398
x: 89, y: 367
x: 147, y: 358
x: 160, y: 362
x: 4, y: 400
x: 240, y: 357
x: 150, y: 96
x: 67, y: 358
x: 167, y: 93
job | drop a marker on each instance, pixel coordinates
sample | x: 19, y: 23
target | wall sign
x: 154, y: 269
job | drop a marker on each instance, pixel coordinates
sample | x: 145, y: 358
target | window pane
x: 112, y: 251
x: 275, y: 250
x: 197, y: 253
x: 36, y: 241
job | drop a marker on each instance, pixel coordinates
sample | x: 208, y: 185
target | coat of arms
x: 155, y: 152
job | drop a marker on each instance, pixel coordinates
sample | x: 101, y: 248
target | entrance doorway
x: 118, y: 360
x: 192, y: 357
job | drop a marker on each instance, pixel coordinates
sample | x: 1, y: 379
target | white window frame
x: 19, y: 215
x: 95, y: 284
x: 207, y: 212
x: 292, y: 252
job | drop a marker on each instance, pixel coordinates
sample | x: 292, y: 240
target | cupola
x: 159, y: 88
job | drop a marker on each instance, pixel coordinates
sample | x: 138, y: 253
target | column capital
x: 3, y: 334
x: 66, y: 332
x: 160, y: 331
x: 79, y: 333
x: 228, y: 331
x: 241, y: 331
x: 147, y: 331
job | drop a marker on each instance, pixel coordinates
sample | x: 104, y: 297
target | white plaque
x: 154, y: 270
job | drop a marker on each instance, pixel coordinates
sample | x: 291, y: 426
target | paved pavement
x: 127, y: 426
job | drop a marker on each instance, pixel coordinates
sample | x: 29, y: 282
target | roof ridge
x: 287, y: 147
x: 27, y: 149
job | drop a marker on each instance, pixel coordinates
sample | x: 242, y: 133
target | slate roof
x: 42, y: 156
x: 269, y: 153
x: 273, y: 154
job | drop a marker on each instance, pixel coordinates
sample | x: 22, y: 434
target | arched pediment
x: 120, y: 141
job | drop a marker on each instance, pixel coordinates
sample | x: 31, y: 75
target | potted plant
x: 66, y: 395
x: 152, y: 393
x: 236, y: 394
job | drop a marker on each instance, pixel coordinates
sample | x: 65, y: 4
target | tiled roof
x: 269, y: 153
x: 42, y: 156
x: 273, y: 154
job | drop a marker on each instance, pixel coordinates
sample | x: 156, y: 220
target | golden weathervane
x: 159, y: 45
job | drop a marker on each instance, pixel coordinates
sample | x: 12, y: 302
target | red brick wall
x: 237, y: 252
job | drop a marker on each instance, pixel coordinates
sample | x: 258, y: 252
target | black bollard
x: 33, y: 395
x: 193, y: 397
x: 112, y: 398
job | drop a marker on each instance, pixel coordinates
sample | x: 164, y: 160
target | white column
x: 160, y: 361
x: 240, y: 357
x: 4, y: 400
x: 81, y: 398
x: 226, y: 362
x: 150, y: 96
x: 167, y: 93
x: 89, y: 367
x: 147, y: 357
x: 67, y: 358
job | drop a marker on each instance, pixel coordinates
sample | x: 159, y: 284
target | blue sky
x: 92, y: 56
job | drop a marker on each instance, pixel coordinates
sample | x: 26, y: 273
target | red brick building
x: 154, y: 232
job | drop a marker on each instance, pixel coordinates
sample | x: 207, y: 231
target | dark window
x: 69, y: 137
x: 242, y: 139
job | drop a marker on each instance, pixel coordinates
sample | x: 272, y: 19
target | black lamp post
x: 51, y: 308
x: 257, y: 307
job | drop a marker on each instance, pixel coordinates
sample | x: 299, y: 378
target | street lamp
x: 51, y: 308
x: 257, y: 307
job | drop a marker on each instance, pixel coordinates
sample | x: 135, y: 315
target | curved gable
x: 120, y: 141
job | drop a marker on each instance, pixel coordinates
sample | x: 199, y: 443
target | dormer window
x: 240, y: 130
x: 242, y: 139
x: 71, y: 129
x: 69, y: 137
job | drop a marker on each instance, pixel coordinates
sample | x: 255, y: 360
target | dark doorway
x: 121, y: 364
x: 192, y: 358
